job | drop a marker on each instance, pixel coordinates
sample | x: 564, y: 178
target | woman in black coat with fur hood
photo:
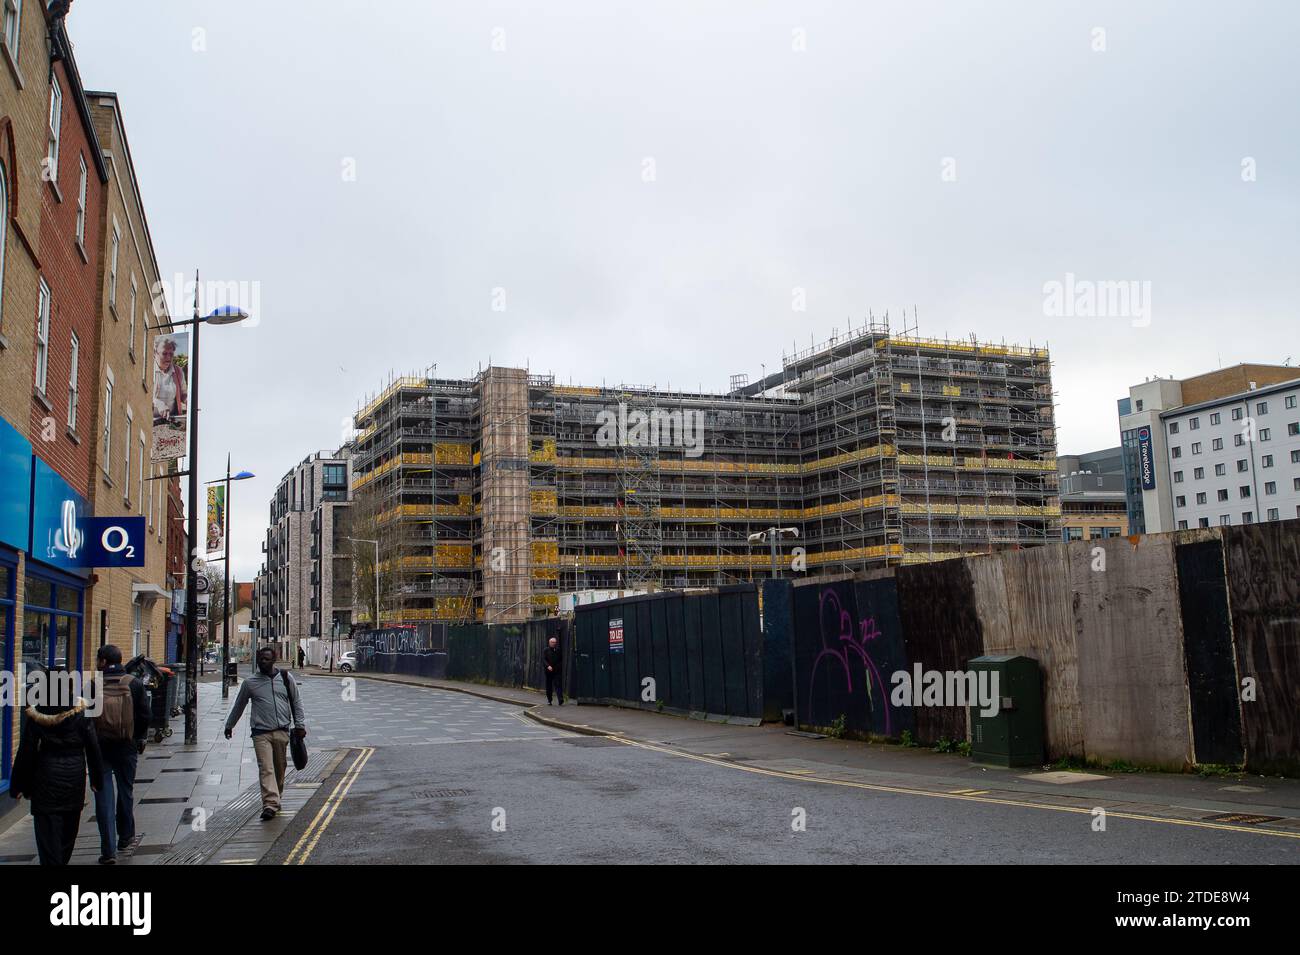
x: 50, y: 770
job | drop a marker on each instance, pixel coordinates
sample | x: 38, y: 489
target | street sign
x: 201, y: 584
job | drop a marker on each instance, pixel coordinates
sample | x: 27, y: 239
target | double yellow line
x: 969, y: 795
x: 325, y: 815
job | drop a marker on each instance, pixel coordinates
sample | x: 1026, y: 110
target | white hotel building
x: 1233, y: 459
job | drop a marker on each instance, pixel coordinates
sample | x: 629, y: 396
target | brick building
x: 130, y: 604
x: 64, y: 176
x: 52, y: 187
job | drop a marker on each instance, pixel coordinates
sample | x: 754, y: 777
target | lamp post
x: 334, y: 639
x: 225, y: 605
x: 225, y: 315
x: 362, y: 540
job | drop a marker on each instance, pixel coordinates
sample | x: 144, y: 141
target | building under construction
x: 491, y: 495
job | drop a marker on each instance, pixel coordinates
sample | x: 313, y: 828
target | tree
x: 216, y: 578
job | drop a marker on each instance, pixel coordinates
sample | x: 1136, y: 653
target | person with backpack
x: 276, y: 705
x: 122, y: 728
x: 57, y: 747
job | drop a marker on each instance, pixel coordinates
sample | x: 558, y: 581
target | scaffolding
x: 495, y: 493
x: 505, y: 548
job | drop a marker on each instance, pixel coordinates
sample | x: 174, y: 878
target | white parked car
x: 347, y: 662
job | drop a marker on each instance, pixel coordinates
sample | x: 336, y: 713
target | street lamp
x: 225, y: 606
x: 771, y: 536
x: 225, y: 315
x: 362, y: 540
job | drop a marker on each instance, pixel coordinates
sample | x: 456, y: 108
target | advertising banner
x: 171, y: 363
x: 216, y: 518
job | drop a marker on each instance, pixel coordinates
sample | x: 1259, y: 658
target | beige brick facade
x: 129, y: 604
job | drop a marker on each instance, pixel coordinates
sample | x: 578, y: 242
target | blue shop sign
x: 59, y: 520
x: 15, y: 487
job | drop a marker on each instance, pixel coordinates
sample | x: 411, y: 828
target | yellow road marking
x: 967, y: 797
x: 326, y: 811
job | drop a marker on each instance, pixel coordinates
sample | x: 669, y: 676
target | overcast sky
x: 650, y: 183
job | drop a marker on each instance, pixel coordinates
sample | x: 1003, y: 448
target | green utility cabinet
x: 1014, y: 736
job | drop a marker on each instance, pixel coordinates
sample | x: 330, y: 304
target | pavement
x: 177, y: 788
x: 406, y: 769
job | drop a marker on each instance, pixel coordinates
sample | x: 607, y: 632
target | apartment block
x: 1235, y: 460
x: 1157, y: 460
x: 492, y: 495
x: 304, y: 589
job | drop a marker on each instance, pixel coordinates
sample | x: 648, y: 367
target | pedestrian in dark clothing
x: 122, y: 728
x: 58, y: 741
x: 302, y: 658
x: 553, y: 658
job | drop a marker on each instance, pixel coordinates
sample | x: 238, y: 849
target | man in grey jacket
x: 276, y: 705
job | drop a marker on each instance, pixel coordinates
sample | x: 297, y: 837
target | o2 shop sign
x: 115, y: 542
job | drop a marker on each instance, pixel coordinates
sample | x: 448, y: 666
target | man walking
x: 276, y: 705
x: 122, y: 727
x: 553, y: 659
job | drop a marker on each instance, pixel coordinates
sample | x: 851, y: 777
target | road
x: 437, y: 776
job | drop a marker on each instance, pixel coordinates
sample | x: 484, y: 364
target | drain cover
x: 441, y: 793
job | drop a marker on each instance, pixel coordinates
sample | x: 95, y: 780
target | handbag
x: 297, y: 745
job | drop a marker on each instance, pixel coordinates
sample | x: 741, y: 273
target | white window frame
x: 4, y: 225
x: 126, y: 459
x: 81, y: 202
x: 130, y: 345
x: 151, y: 482
x: 55, y: 127
x: 139, y: 496
x: 42, y: 336
x: 108, y: 422
x: 73, y: 377
x: 13, y: 26
x: 115, y: 244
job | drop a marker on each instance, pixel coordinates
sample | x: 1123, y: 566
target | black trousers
x: 554, y: 681
x: 56, y: 835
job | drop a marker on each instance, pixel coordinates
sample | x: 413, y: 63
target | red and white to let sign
x: 616, y: 635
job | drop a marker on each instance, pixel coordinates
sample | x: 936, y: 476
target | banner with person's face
x: 216, y: 518
x: 171, y: 365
